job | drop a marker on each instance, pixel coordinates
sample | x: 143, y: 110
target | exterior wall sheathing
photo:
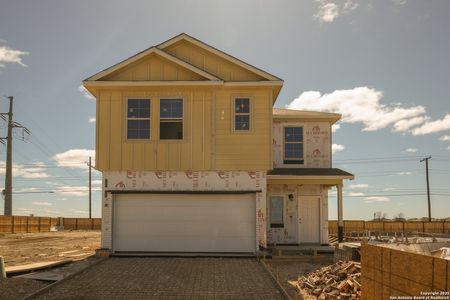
x: 289, y: 233
x: 190, y: 181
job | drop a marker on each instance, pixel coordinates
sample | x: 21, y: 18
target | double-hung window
x: 171, y: 119
x: 241, y: 114
x: 138, y: 119
x: 293, y: 145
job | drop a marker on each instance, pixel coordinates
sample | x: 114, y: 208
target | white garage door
x: 184, y: 223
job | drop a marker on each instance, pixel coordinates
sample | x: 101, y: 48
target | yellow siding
x: 211, y: 63
x: 209, y: 140
x: 243, y: 150
x: 153, y: 67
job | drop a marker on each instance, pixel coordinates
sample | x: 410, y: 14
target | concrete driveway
x: 169, y: 278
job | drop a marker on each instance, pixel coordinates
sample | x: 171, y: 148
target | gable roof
x: 226, y: 56
x: 283, y: 113
x: 149, y: 51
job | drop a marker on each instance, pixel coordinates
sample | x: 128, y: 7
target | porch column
x: 340, y: 214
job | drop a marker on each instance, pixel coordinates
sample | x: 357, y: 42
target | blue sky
x: 382, y: 64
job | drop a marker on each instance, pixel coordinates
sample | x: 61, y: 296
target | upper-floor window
x: 293, y: 145
x: 242, y: 114
x: 171, y: 119
x: 138, y: 119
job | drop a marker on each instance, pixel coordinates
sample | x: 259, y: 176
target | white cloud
x: 389, y: 189
x: 74, y: 158
x: 433, y: 126
x: 404, y: 173
x: 85, y: 93
x: 34, y: 170
x: 445, y: 138
x: 328, y: 10
x: 355, y: 194
x: 92, y: 120
x: 405, y: 125
x: 335, y: 127
x: 337, y: 148
x: 410, y: 150
x: 376, y: 199
x: 357, y: 105
x: 358, y: 186
x: 8, y: 55
x: 350, y: 5
x: 76, y: 191
x: 448, y: 148
x: 399, y: 2
x: 42, y: 203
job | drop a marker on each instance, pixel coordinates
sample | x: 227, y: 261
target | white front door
x: 308, y: 219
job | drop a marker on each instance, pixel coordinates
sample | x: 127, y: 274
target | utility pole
x: 8, y: 174
x: 7, y: 192
x: 428, y: 186
x: 90, y: 189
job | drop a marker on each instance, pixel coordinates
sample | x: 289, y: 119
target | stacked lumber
x: 339, y: 281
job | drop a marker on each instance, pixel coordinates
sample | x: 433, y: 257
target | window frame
x: 127, y: 99
x: 276, y: 224
x: 182, y: 119
x: 294, y: 161
x: 234, y: 114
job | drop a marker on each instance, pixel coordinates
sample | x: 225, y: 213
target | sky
x: 383, y: 64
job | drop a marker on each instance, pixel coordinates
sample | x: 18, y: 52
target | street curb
x: 50, y: 286
x: 280, y: 287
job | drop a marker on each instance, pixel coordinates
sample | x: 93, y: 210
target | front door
x: 308, y: 221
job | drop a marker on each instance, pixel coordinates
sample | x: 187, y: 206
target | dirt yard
x: 26, y: 248
x: 287, y: 271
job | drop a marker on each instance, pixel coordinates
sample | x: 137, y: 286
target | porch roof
x: 327, y: 176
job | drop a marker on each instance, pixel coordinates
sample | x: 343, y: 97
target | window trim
x: 149, y: 119
x: 233, y: 113
x: 276, y: 225
x: 292, y: 161
x: 182, y: 119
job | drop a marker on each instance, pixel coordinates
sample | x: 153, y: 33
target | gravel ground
x: 26, y: 248
x: 17, y: 288
x: 290, y: 271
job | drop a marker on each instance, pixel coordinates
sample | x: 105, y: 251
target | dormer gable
x: 152, y: 65
x: 216, y: 62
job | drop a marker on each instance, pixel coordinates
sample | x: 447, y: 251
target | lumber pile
x: 339, y: 281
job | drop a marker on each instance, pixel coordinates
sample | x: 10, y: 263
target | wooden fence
x: 389, y: 273
x: 24, y: 224
x: 351, y: 226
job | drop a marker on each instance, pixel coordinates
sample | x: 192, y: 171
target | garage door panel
x: 193, y: 228
x: 184, y: 223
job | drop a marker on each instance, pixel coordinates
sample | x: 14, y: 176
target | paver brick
x: 169, y: 278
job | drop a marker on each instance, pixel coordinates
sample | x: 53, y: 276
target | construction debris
x: 339, y: 281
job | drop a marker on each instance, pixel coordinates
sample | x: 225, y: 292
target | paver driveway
x: 169, y: 278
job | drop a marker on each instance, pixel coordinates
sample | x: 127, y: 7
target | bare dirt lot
x: 26, y: 248
x: 291, y: 271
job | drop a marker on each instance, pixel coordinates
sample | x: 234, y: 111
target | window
x: 138, y: 119
x: 242, y: 114
x: 276, y: 211
x: 293, y: 145
x: 171, y: 119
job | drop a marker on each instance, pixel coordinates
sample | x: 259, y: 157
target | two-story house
x: 195, y: 158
